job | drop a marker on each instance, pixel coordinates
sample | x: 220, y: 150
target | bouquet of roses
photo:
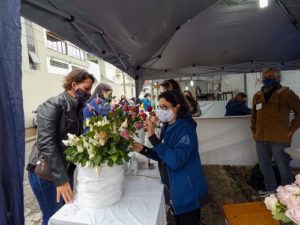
x: 107, y: 139
x: 285, y: 204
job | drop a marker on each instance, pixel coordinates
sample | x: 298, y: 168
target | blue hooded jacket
x: 236, y: 108
x: 179, y: 151
x: 94, y: 109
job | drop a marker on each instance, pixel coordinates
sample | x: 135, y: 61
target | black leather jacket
x: 56, y: 117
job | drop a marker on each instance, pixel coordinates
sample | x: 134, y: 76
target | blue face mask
x: 82, y: 96
x: 269, y: 82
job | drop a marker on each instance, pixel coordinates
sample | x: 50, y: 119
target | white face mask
x: 165, y: 115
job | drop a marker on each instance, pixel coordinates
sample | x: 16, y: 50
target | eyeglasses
x: 163, y: 107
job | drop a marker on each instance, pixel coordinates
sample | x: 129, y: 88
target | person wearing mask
x: 147, y: 101
x: 237, y: 106
x: 100, y: 102
x: 272, y: 129
x: 50, y: 175
x: 166, y: 85
x: 178, y: 149
x: 194, y: 105
x: 123, y: 100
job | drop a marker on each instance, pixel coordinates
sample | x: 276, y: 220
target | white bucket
x: 99, y: 189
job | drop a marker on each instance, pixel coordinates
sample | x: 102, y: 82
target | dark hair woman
x: 170, y: 85
x: 97, y: 105
x: 178, y: 149
x: 57, y: 117
x: 194, y: 105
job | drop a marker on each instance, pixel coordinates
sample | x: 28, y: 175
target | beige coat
x: 270, y: 121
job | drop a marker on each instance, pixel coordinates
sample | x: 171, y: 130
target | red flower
x: 143, y: 116
x: 149, y: 109
x: 126, y: 108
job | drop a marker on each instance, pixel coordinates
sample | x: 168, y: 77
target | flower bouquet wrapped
x: 100, y: 154
x: 107, y: 139
x: 285, y: 204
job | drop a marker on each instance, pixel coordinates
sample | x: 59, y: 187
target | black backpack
x: 257, y: 178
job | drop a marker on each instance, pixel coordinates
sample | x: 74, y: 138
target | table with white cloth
x: 142, y: 203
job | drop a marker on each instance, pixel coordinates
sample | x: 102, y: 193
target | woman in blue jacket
x: 179, y: 151
x: 98, y: 105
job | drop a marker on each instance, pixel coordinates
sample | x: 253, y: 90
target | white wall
x: 37, y: 88
x: 226, y: 141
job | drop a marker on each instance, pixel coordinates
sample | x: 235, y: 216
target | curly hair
x: 78, y: 76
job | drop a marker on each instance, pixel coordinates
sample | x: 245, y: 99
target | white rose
x: 271, y: 202
x: 85, y: 144
x: 102, y: 141
x: 124, y: 125
x: 72, y: 139
x: 66, y: 142
x: 80, y: 149
x: 92, y: 156
x: 105, y: 121
x: 90, y: 149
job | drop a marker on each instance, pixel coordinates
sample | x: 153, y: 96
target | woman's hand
x: 65, y: 191
x: 149, y: 126
x: 137, y: 147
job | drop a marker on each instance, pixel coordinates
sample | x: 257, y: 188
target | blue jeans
x: 265, y: 152
x: 45, y: 192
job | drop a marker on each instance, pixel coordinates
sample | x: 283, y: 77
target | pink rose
x: 125, y: 134
x: 284, y: 197
x: 138, y: 126
x: 280, y: 189
x: 294, y: 214
x: 294, y: 201
x: 292, y: 188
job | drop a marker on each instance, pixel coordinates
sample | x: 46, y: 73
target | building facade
x: 48, y: 58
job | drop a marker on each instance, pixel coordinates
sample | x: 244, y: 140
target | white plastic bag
x: 99, y: 188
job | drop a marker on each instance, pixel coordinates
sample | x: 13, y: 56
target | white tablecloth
x: 142, y: 203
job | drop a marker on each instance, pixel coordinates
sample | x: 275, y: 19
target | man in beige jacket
x: 272, y: 130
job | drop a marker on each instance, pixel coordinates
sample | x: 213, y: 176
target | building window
x: 55, y: 43
x: 33, y: 58
x: 33, y: 61
x: 75, y: 52
x: 59, y: 64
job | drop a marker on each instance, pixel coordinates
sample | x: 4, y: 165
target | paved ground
x: 32, y: 210
x: 226, y: 184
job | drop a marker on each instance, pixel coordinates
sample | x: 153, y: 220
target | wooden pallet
x: 251, y: 213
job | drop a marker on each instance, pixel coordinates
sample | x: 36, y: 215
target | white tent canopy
x: 171, y: 38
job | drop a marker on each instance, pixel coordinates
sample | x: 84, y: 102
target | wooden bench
x: 251, y: 213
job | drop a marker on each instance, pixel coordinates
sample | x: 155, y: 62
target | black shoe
x: 265, y: 193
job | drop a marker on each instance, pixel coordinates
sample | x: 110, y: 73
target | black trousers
x: 189, y: 218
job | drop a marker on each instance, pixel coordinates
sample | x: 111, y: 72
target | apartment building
x: 47, y: 58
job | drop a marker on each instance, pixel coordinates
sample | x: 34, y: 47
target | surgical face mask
x: 82, y: 96
x: 165, y: 115
x: 269, y: 82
